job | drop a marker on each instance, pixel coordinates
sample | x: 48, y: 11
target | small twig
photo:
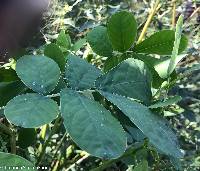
x: 78, y: 162
x: 193, y: 14
x: 173, y: 13
x: 150, y: 17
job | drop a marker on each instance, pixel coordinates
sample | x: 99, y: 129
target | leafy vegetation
x: 110, y: 109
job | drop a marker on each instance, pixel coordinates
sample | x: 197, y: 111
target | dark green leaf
x: 39, y: 73
x: 80, y: 74
x: 54, y: 52
x: 122, y: 30
x: 152, y: 125
x: 31, y: 110
x: 91, y: 126
x: 14, y: 161
x: 8, y: 90
x: 113, y: 61
x: 26, y: 137
x: 8, y: 75
x: 99, y: 41
x: 160, y: 43
x: 167, y: 102
x: 131, y: 78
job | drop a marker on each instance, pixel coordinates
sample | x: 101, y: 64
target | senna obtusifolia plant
x: 105, y: 111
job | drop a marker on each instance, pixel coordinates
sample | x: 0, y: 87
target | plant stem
x: 8, y: 131
x: 78, y: 162
x: 149, y: 19
x: 173, y: 13
x: 55, y: 127
x: 108, y: 163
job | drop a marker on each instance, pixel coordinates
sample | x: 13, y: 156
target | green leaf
x: 131, y: 78
x: 80, y: 74
x: 99, y: 41
x: 142, y: 166
x: 26, y: 137
x: 162, y: 65
x: 160, y: 43
x: 122, y: 30
x: 13, y: 161
x: 152, y: 125
x: 177, y: 41
x: 54, y: 52
x: 91, y: 126
x: 31, y: 110
x: 113, y: 61
x: 167, y: 102
x: 39, y: 73
x: 7, y: 75
x: 150, y: 62
x: 8, y: 90
x: 64, y: 40
x: 78, y: 45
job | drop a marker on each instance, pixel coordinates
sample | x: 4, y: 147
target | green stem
x: 53, y: 131
x: 108, y: 163
x: 149, y: 19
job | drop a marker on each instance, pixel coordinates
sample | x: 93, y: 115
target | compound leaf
x: 31, y: 110
x: 161, y: 43
x: 80, y: 74
x: 15, y: 163
x: 122, y: 30
x: 39, y: 73
x: 99, y: 41
x: 91, y: 126
x: 153, y: 126
x: 131, y: 78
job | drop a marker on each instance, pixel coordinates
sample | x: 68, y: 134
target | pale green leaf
x: 177, y: 41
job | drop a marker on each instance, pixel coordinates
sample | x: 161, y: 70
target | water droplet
x: 34, y: 83
x: 25, y: 99
x: 42, y: 86
x: 101, y: 124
